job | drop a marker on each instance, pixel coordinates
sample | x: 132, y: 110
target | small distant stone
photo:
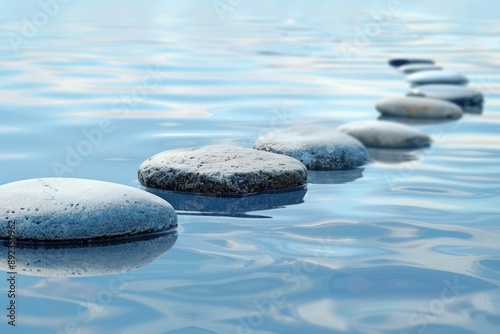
x: 386, y: 134
x: 221, y: 170
x: 436, y: 78
x: 414, y: 68
x: 406, y: 61
x: 418, y: 107
x: 319, y: 148
x: 69, y: 209
x: 463, y: 96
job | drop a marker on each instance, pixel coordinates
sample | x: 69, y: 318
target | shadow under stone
x: 416, y: 121
x: 334, y: 176
x: 469, y: 104
x: 230, y: 206
x: 392, y: 156
x: 78, y: 259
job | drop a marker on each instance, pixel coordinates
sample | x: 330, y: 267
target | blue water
x: 407, y: 244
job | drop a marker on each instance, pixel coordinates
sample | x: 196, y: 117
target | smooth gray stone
x: 414, y: 68
x: 469, y: 99
x: 418, y: 107
x: 110, y: 257
x: 68, y: 209
x: 436, y: 78
x: 319, y: 148
x: 386, y: 134
x: 396, y: 62
x: 220, y: 170
x: 231, y: 206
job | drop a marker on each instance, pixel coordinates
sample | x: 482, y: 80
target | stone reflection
x: 334, y: 176
x: 231, y: 206
x: 106, y: 257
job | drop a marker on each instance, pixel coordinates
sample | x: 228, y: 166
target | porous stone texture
x: 414, y: 68
x: 436, y: 78
x: 319, y: 148
x: 418, y: 107
x: 396, y: 62
x: 463, y: 96
x: 386, y: 134
x: 221, y: 170
x: 94, y: 259
x: 67, y: 209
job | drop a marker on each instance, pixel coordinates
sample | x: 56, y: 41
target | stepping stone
x: 463, y: 96
x: 386, y: 134
x: 77, y: 259
x: 396, y: 62
x: 319, y: 148
x: 220, y: 170
x: 414, y: 68
x: 418, y: 107
x: 392, y: 156
x: 54, y: 209
x: 436, y: 77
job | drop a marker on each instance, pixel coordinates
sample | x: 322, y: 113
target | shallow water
x: 407, y: 244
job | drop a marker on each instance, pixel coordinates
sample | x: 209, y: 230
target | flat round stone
x: 414, y: 68
x: 396, y: 62
x: 463, y: 96
x: 386, y: 134
x: 436, y: 77
x: 68, y: 209
x: 110, y: 257
x: 319, y: 148
x: 220, y: 170
x: 418, y: 107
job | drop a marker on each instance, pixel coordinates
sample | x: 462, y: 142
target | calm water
x: 407, y: 244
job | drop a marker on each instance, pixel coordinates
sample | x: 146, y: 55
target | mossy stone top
x: 220, y: 170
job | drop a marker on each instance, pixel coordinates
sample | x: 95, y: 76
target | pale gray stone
x: 335, y: 176
x: 436, y: 77
x: 465, y: 97
x: 221, y: 170
x: 386, y: 134
x: 66, y: 209
x: 110, y: 257
x: 418, y: 107
x: 414, y: 68
x: 317, y: 147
